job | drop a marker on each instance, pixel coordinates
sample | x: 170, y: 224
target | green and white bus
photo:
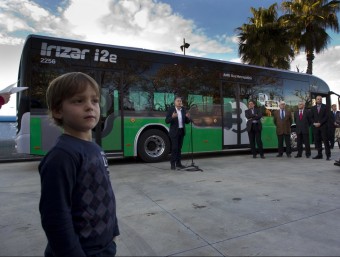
x: 137, y: 88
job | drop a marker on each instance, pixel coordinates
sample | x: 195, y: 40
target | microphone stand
x: 192, y: 166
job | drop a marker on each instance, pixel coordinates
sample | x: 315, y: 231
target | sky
x: 207, y: 25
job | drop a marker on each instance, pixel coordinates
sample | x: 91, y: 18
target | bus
x: 137, y: 88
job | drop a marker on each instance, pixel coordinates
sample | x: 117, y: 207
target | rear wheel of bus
x: 153, y: 145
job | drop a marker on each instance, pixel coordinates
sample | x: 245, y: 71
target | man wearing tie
x: 303, y: 121
x: 254, y: 128
x: 332, y: 125
x: 283, y: 121
x: 319, y: 115
x: 177, y: 118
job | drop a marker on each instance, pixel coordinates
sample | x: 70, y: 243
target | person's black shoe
x: 288, y: 155
x: 173, y: 167
x: 328, y: 158
x: 279, y: 155
x: 337, y: 163
x: 298, y: 156
x: 180, y: 166
x: 317, y: 157
x: 262, y: 157
x: 307, y: 156
x: 254, y: 156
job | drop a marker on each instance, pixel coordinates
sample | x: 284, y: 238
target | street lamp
x: 185, y: 45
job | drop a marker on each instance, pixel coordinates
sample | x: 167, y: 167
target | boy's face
x: 80, y: 114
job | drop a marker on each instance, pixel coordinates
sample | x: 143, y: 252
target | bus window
x: 162, y: 101
x: 268, y: 92
x: 294, y: 92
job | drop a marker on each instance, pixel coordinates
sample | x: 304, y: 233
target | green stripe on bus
x: 36, y: 133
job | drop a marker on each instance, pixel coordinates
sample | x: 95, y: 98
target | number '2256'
x: 47, y: 60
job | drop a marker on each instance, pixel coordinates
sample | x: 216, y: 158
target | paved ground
x: 238, y: 206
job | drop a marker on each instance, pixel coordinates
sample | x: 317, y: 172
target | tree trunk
x: 310, y: 58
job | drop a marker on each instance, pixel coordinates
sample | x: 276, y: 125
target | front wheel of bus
x: 153, y: 145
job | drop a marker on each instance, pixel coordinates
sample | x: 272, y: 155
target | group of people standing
x: 323, y: 122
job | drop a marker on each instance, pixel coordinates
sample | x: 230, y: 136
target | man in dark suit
x: 254, y: 128
x: 303, y: 121
x: 332, y: 125
x: 177, y: 118
x: 283, y: 121
x: 319, y: 115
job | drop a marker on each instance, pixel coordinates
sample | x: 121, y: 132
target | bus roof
x: 35, y: 36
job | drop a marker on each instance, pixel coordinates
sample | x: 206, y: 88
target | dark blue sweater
x: 77, y: 205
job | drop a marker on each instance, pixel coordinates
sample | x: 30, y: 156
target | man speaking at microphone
x: 177, y: 118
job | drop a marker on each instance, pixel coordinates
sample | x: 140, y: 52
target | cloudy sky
x: 208, y: 25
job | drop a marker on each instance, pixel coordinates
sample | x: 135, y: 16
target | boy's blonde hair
x: 65, y: 87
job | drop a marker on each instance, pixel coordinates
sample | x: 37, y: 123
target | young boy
x: 77, y: 205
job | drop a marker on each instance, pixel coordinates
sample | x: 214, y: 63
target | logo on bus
x: 75, y: 53
x: 236, y: 76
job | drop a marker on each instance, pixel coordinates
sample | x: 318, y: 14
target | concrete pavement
x: 238, y: 206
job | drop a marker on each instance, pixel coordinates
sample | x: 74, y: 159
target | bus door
x: 109, y: 130
x: 234, y: 121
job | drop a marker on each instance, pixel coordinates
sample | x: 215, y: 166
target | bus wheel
x: 293, y: 140
x: 153, y: 146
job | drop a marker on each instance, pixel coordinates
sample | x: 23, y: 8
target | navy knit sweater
x: 77, y: 205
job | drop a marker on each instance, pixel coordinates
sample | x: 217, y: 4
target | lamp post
x: 185, y: 45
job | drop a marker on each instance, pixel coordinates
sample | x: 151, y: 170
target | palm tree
x: 307, y: 20
x: 263, y: 42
